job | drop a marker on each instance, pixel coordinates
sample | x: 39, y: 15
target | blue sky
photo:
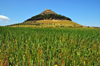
x: 84, y: 12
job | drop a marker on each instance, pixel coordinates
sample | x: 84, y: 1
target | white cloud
x: 3, y: 18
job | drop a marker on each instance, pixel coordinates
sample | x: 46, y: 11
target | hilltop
x: 48, y: 15
x: 48, y: 18
x: 47, y: 11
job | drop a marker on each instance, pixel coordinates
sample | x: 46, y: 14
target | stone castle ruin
x: 47, y: 11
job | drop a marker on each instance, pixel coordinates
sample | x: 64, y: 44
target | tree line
x: 48, y: 16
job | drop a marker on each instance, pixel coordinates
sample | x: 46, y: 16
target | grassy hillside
x: 49, y: 46
x: 48, y: 23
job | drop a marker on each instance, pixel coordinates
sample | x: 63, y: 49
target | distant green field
x: 24, y: 46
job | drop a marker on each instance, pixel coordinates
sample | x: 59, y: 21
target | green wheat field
x: 24, y: 46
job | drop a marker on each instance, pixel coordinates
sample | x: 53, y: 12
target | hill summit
x: 47, y: 11
x: 48, y: 15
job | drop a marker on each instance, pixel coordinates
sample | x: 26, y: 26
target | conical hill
x: 48, y: 18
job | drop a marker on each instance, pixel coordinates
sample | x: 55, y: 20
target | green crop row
x: 49, y: 46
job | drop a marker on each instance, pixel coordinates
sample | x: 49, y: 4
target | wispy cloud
x: 4, y: 19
